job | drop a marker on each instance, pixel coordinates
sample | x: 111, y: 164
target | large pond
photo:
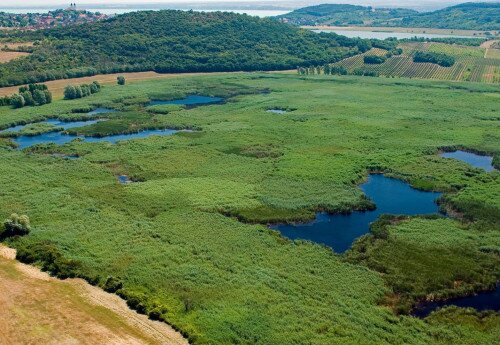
x: 56, y: 123
x: 382, y: 35
x: 478, y: 161
x: 339, y: 231
x: 61, y: 138
x: 192, y: 100
x: 489, y: 300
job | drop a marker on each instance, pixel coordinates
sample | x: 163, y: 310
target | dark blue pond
x: 61, y: 138
x: 56, y: 123
x: 488, y: 300
x: 124, y: 179
x: 339, y: 231
x: 97, y: 111
x: 478, y: 161
x: 192, y: 100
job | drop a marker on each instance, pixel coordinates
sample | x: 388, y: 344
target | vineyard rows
x: 470, y: 65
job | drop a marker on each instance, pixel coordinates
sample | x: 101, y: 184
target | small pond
x: 488, y: 300
x: 339, y: 231
x: 478, y: 161
x: 97, y: 111
x: 124, y: 179
x: 277, y: 111
x: 192, y: 100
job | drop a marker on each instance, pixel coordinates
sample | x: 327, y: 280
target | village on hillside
x: 61, y: 17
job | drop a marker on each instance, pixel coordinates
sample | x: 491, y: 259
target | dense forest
x: 470, y: 16
x: 174, y: 41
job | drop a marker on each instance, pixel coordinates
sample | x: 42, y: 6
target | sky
x: 62, y: 2
x: 291, y: 3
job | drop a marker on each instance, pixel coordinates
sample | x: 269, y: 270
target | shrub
x: 17, y: 101
x: 51, y: 259
x: 69, y: 92
x: 16, y: 225
x: 39, y: 97
x: 120, y: 80
x: 365, y: 72
x: 338, y: 70
x: 112, y: 284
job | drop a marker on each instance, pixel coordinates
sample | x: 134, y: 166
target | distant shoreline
x: 451, y: 32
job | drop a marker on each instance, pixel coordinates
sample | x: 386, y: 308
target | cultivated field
x: 38, y: 309
x: 472, y: 63
x: 187, y: 241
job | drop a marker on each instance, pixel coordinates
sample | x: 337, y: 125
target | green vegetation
x: 470, y: 63
x: 468, y: 16
x: 173, y: 41
x: 166, y: 244
x: 80, y: 91
x: 428, y: 258
x: 31, y: 95
x: 437, y: 58
x: 120, y: 80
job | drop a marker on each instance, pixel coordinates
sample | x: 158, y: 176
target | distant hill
x: 468, y: 16
x: 341, y: 15
x: 174, y: 41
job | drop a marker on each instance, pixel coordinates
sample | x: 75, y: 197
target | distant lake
x: 115, y: 11
x: 383, y: 35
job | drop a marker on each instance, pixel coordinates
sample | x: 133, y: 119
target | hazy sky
x: 25, y: 3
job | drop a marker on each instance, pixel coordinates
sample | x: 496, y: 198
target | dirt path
x: 38, y: 309
x: 489, y: 44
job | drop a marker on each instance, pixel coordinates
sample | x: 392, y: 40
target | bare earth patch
x: 38, y: 309
x: 8, y: 56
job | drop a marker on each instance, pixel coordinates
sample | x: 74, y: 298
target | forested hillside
x: 174, y: 41
x: 468, y: 16
x: 338, y: 14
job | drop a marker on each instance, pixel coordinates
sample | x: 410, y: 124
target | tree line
x: 30, y: 95
x: 80, y: 91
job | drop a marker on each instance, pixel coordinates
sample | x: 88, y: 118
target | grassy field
x: 472, y: 63
x: 168, y: 238
x: 57, y: 86
x: 38, y: 309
